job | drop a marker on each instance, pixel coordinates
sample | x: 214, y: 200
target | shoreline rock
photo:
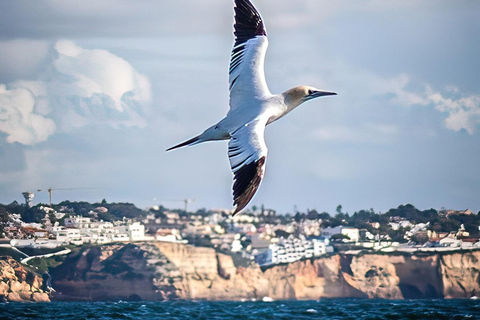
x: 171, y: 271
x: 18, y: 284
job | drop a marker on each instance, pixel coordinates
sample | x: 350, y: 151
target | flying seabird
x: 252, y: 106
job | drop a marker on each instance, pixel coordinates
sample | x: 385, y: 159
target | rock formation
x: 460, y: 274
x: 18, y: 284
x: 110, y: 272
x: 162, y: 270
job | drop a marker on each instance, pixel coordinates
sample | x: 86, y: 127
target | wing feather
x: 248, y: 22
x: 247, y: 152
x: 247, y: 76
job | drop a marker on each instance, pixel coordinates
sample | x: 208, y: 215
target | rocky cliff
x: 460, y: 274
x: 18, y: 284
x: 162, y: 270
x: 112, y: 272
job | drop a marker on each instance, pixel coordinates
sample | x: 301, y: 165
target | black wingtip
x: 248, y: 22
x: 247, y: 181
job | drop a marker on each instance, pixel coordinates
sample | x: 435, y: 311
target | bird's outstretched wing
x: 247, y: 76
x: 247, y: 152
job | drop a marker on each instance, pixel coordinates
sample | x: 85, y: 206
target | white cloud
x: 463, y: 113
x: 79, y: 87
x: 463, y: 110
x: 18, y: 119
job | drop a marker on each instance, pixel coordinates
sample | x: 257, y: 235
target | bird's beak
x: 316, y: 94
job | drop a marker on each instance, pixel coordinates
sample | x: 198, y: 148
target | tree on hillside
x: 299, y: 216
x: 324, y: 216
x: 443, y: 224
x: 471, y: 222
x: 409, y: 212
x: 281, y: 233
x: 364, y: 218
x: 14, y: 207
x: 312, y: 214
x: 81, y: 208
x: 160, y: 213
x: 124, y: 209
x: 397, y: 235
x: 339, y: 209
x: 3, y: 220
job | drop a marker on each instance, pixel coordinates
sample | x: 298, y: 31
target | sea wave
x: 179, y: 310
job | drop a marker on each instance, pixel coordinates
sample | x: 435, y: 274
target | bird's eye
x: 310, y: 92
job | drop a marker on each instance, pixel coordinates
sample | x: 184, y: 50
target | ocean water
x: 322, y: 309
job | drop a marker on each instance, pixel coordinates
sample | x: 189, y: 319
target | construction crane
x: 185, y: 201
x: 49, y: 190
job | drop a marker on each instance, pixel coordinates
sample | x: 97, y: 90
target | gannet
x: 252, y: 105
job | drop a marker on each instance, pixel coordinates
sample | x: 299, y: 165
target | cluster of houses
x: 78, y: 230
x: 260, y: 237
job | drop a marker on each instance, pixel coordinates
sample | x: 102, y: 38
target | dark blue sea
x: 322, y: 309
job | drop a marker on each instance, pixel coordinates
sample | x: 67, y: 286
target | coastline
x: 171, y: 271
x: 164, y: 271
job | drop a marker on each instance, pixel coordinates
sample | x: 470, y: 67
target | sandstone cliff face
x: 18, y: 284
x: 310, y: 279
x: 206, y: 274
x: 373, y: 275
x: 210, y: 275
x: 460, y: 274
x: 163, y: 270
x: 420, y: 276
x: 111, y: 272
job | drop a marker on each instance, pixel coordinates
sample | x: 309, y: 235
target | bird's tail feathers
x: 189, y: 142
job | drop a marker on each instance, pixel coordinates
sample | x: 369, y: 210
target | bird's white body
x: 252, y: 105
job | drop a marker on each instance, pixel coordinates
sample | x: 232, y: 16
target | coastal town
x: 257, y: 234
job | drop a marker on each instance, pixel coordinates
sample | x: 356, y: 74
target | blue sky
x: 93, y: 92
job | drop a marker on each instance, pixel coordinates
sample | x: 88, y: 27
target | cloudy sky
x: 92, y: 92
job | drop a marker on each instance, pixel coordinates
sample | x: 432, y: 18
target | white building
x: 81, y: 222
x: 352, y: 233
x: 237, y: 244
x: 136, y: 232
x: 69, y: 235
x: 321, y: 247
x: 169, y: 235
x: 294, y: 249
x: 84, y: 230
x: 119, y: 237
